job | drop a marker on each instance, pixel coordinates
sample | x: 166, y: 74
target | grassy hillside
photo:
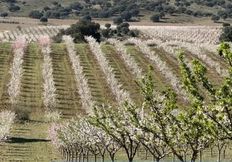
x: 30, y: 5
x: 107, y: 9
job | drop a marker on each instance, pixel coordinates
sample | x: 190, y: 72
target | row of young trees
x: 116, y: 88
x: 31, y: 33
x: 79, y: 140
x: 130, y: 61
x: 49, y: 85
x: 191, y: 34
x: 81, y: 81
x: 49, y: 89
x: 7, y: 117
x: 160, y: 64
x: 19, y: 46
x: 16, y: 70
x: 159, y: 124
x: 196, y: 49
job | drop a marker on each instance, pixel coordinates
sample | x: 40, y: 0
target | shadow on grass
x: 25, y: 140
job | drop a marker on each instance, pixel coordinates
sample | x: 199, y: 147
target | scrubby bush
x: 117, y: 20
x: 22, y: 114
x: 9, y: 1
x: 107, y: 25
x: 4, y: 14
x: 43, y: 19
x: 226, y: 34
x: 78, y: 31
x: 76, y: 6
x: 35, y: 14
x: 215, y: 18
x: 86, y: 18
x: 155, y: 18
x: 88, y: 28
x: 126, y: 15
x: 58, y: 38
x: 13, y: 8
x: 122, y: 31
x: 225, y: 24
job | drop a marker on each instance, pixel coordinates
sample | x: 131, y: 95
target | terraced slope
x: 28, y: 140
x: 67, y: 95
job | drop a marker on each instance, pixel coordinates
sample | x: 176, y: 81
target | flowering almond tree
x: 16, y: 70
x: 82, y: 83
x: 6, y: 121
x: 77, y: 138
x: 49, y: 96
x: 115, y: 122
x: 185, y: 133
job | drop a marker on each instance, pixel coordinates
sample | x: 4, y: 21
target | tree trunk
x: 76, y: 156
x: 73, y: 155
x: 156, y: 159
x: 224, y: 152
x: 103, y: 158
x: 130, y: 159
x: 80, y: 157
x: 201, y: 156
x: 219, y: 155
x: 112, y: 157
x: 87, y: 156
x: 211, y: 152
x: 194, y: 156
x: 146, y: 154
x: 68, y: 155
x: 95, y: 158
x: 131, y: 151
x: 83, y: 157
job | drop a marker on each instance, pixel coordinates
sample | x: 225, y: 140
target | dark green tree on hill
x: 4, y: 14
x: 78, y: 31
x: 155, y: 18
x: 226, y: 34
x: 215, y: 18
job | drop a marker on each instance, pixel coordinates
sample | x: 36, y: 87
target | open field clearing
x: 75, y: 76
x: 11, y: 23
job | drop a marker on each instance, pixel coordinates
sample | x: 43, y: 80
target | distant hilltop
x: 170, y: 11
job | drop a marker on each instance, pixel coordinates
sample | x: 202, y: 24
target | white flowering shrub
x: 6, y: 121
x: 82, y: 83
x: 16, y: 70
x: 130, y: 61
x: 49, y: 96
